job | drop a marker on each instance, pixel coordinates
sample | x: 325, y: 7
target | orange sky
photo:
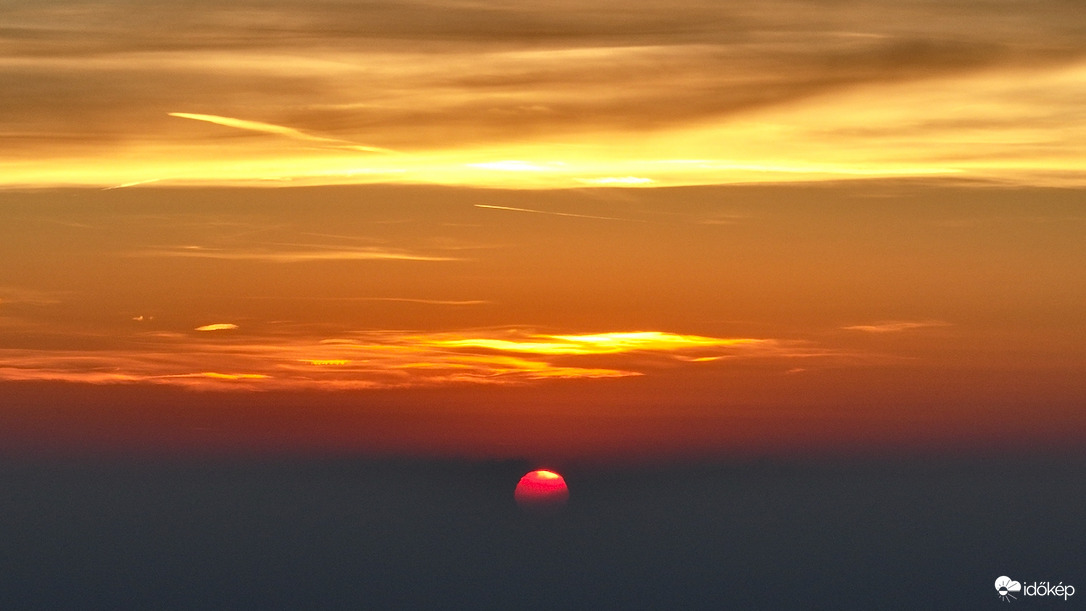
x: 612, y: 230
x: 683, y: 319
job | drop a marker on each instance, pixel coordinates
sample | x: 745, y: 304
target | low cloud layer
x: 393, y: 359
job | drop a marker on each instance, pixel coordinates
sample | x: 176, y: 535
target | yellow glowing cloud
x: 219, y: 326
x: 223, y: 376
x: 603, y: 343
x: 386, y: 359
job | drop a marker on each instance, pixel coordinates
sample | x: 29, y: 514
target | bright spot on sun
x: 541, y: 491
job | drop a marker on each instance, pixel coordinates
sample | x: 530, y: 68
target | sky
x: 539, y: 94
x: 543, y: 230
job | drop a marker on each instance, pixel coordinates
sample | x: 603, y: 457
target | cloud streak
x: 219, y: 326
x: 22, y: 295
x: 277, y: 253
x: 440, y: 302
x: 391, y: 359
x: 553, y: 213
x: 278, y: 130
x: 602, y: 343
x: 897, y: 326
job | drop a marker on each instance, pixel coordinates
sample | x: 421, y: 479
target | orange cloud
x: 603, y: 343
x: 292, y: 253
x: 897, y: 326
x: 387, y: 359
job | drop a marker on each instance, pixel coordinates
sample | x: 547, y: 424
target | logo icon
x: 1005, y: 585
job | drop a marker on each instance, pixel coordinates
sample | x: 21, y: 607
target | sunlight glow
x: 603, y: 343
x: 617, y: 180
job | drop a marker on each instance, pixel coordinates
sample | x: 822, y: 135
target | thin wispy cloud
x: 781, y: 82
x: 214, y: 375
x: 441, y: 302
x: 135, y: 183
x: 29, y: 296
x: 418, y: 300
x: 553, y: 213
x: 897, y: 326
x: 278, y: 130
x: 292, y: 254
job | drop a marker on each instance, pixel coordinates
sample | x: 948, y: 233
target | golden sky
x: 546, y: 228
x: 539, y: 94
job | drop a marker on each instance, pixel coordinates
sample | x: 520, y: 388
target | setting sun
x: 541, y: 490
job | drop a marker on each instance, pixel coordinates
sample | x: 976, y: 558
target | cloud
x: 268, y: 128
x: 436, y: 302
x: 291, y: 253
x: 435, y: 78
x: 897, y: 326
x: 135, y: 183
x: 444, y: 302
x: 10, y: 295
x: 550, y: 212
x: 221, y: 376
x: 390, y: 359
x: 602, y: 343
x: 219, y: 326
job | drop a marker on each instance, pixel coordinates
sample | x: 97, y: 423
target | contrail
x: 131, y: 184
x: 583, y: 216
x: 279, y: 130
